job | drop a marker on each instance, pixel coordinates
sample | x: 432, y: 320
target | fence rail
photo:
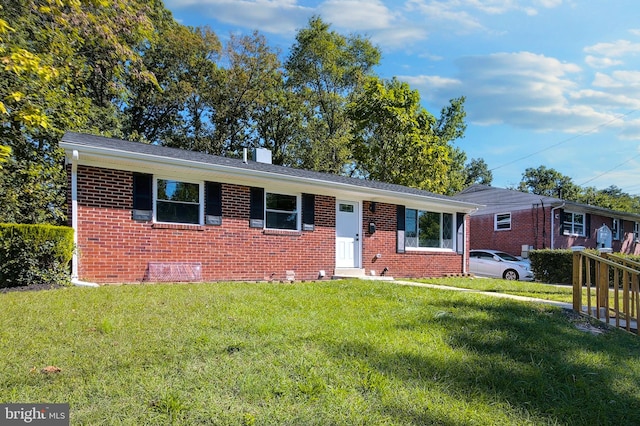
x: 611, y: 285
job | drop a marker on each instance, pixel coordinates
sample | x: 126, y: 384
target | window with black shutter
x: 142, y: 197
x: 400, y: 227
x: 213, y: 203
x: 308, y: 212
x: 256, y: 208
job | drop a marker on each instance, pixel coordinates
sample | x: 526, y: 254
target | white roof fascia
x: 149, y: 163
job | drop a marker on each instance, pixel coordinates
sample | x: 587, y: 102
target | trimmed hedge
x: 552, y: 266
x: 35, y: 254
x: 556, y: 266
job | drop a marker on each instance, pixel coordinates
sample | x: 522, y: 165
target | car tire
x: 510, y: 275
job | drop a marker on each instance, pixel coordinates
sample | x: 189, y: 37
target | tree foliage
x: 477, y: 171
x: 398, y: 141
x: 126, y: 68
x: 62, y: 67
x: 550, y: 182
x: 326, y: 70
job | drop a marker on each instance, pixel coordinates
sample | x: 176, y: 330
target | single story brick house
x: 150, y: 213
x: 516, y: 222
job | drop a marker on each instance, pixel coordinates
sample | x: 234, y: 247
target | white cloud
x: 596, y: 62
x: 614, y: 50
x: 523, y: 89
x: 631, y: 131
x: 445, y: 14
x: 272, y: 16
x: 357, y: 15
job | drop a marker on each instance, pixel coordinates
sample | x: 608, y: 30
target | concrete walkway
x: 633, y: 324
x: 487, y: 293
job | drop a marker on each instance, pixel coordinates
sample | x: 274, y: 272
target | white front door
x: 347, y: 234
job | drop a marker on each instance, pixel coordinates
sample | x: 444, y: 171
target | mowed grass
x: 329, y: 353
x: 558, y: 293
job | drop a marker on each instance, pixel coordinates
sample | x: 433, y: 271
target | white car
x: 495, y: 263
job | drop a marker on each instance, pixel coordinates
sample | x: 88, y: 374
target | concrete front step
x: 359, y: 273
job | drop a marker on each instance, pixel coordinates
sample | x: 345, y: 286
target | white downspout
x: 74, y: 222
x: 553, y: 224
x: 74, y: 213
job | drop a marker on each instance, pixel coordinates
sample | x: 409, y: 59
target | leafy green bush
x: 552, y: 266
x: 34, y: 254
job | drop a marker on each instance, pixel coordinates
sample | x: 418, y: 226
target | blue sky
x: 547, y: 82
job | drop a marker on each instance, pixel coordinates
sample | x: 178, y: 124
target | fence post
x: 577, y: 281
x: 602, y: 282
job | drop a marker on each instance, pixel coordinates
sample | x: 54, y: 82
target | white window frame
x: 298, y: 210
x: 497, y: 222
x: 572, y: 232
x: 615, y: 230
x: 453, y: 238
x: 178, y: 179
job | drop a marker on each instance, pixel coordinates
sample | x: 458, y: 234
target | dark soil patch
x: 32, y: 287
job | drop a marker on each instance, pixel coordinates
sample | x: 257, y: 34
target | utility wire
x: 568, y: 140
x: 610, y: 170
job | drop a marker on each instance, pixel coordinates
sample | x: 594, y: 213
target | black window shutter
x: 142, y: 191
x: 400, y: 218
x: 562, y: 220
x: 460, y: 240
x: 400, y: 226
x: 621, y: 229
x: 587, y: 225
x: 213, y: 199
x: 308, y: 210
x: 256, y: 208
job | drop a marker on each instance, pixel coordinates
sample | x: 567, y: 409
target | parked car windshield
x: 507, y: 256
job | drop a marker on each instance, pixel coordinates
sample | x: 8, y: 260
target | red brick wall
x: 625, y: 245
x: 530, y: 227
x: 527, y: 228
x: 114, y: 248
x: 412, y: 264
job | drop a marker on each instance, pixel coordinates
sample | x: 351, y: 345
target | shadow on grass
x: 529, y: 358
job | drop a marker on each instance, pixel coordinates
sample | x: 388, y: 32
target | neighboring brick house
x: 150, y: 213
x: 511, y: 220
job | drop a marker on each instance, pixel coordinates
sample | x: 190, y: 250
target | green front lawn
x: 558, y: 293
x: 329, y: 353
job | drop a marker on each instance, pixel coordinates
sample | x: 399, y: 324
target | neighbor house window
x: 615, y: 229
x: 281, y: 211
x: 573, y: 224
x: 502, y: 221
x: 178, y: 202
x: 425, y: 229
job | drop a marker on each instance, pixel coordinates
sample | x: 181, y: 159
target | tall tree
x: 477, y: 171
x: 278, y: 123
x: 183, y: 62
x: 549, y: 182
x: 398, y: 141
x: 326, y: 69
x: 612, y: 197
x: 58, y: 59
x: 251, y: 74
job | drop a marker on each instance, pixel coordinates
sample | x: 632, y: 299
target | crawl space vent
x: 173, y: 272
